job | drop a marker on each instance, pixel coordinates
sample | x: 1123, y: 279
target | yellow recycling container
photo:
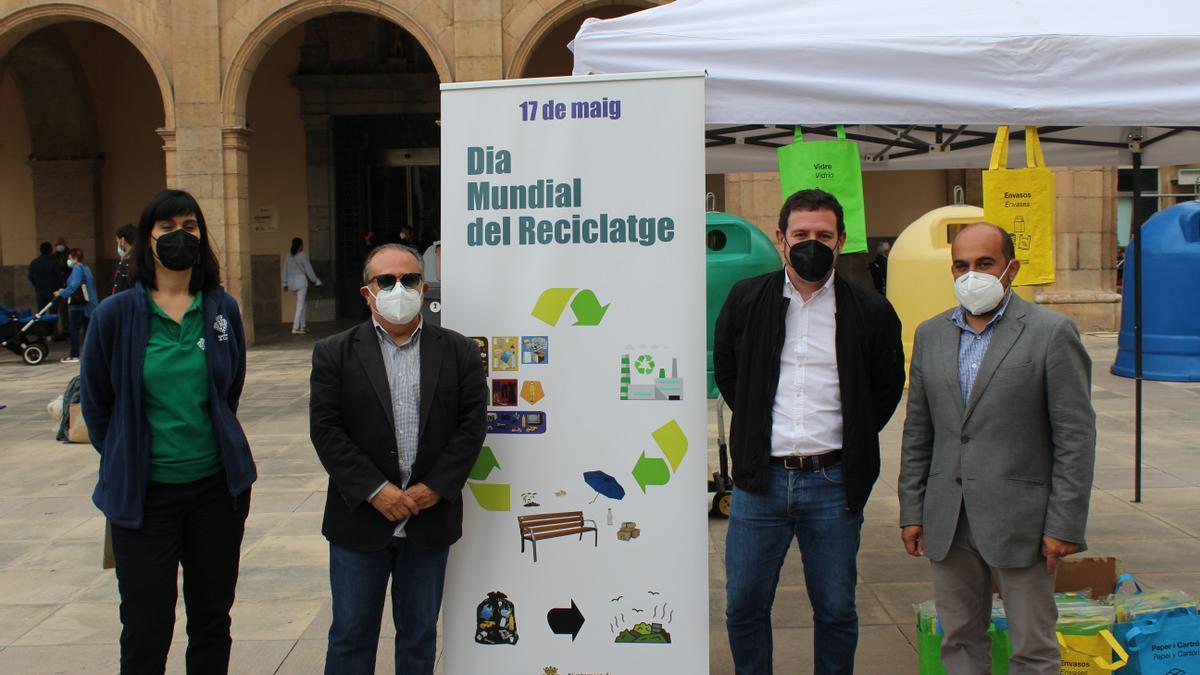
x: 919, y: 282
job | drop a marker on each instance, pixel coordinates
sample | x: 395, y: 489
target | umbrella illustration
x: 603, y: 484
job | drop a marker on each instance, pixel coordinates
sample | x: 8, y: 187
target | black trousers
x: 200, y: 526
x: 79, y: 324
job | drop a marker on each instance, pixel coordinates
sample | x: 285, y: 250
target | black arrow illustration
x: 565, y: 621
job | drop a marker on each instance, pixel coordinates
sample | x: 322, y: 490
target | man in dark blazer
x: 813, y: 367
x: 998, y: 454
x: 398, y: 417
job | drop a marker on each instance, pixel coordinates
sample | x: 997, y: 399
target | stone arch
x: 551, y: 20
x: 54, y: 91
x: 235, y: 89
x: 19, y: 24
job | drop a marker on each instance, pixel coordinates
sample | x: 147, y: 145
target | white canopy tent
x: 924, y: 83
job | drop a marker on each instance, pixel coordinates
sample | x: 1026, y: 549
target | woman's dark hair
x: 75, y: 253
x: 165, y: 205
x: 297, y: 243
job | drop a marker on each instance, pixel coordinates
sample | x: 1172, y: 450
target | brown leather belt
x: 808, y: 462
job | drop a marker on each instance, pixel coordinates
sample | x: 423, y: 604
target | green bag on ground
x: 832, y: 166
x: 929, y: 642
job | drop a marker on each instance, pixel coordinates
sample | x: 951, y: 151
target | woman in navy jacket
x: 162, y: 372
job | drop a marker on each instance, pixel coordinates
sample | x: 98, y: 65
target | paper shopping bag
x: 1022, y: 202
x: 832, y: 166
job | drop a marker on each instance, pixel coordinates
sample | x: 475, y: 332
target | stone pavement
x: 58, y: 609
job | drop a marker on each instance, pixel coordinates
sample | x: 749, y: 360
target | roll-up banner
x: 573, y: 254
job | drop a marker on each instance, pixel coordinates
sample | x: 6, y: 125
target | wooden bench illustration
x: 550, y: 525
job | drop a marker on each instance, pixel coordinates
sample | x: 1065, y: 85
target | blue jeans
x: 810, y: 506
x: 359, y: 581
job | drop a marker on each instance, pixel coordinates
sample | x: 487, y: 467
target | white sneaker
x: 69, y: 359
x: 297, y: 331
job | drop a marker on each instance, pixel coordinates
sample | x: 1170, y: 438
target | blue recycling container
x: 1170, y: 298
x: 736, y: 250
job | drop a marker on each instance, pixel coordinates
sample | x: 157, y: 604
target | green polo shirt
x: 175, y: 398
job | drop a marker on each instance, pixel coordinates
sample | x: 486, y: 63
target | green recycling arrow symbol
x: 553, y: 302
x: 657, y: 471
x: 491, y: 496
x: 587, y: 308
x: 484, y: 464
x: 651, y: 471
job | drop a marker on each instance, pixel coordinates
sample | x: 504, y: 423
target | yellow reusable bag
x: 1022, y: 202
x: 1091, y: 654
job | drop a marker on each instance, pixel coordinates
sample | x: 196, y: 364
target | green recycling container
x: 736, y: 250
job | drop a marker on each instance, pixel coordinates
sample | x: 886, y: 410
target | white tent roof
x: 903, y: 73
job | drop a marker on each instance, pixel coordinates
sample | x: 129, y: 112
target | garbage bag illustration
x: 496, y: 621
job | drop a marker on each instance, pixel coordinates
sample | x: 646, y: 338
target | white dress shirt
x: 806, y: 418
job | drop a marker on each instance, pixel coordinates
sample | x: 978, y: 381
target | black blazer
x: 747, y: 344
x: 350, y: 417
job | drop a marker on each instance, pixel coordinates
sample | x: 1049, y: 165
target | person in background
x: 82, y: 298
x: 297, y: 273
x: 60, y: 264
x: 432, y: 263
x: 121, y: 279
x: 44, y: 275
x: 878, y: 267
x: 162, y: 376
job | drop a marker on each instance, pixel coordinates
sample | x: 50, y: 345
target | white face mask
x: 980, y: 293
x: 398, y: 305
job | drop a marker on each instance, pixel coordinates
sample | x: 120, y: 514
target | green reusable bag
x: 929, y: 642
x: 832, y: 166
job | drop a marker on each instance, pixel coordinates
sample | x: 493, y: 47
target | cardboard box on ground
x: 1097, y: 576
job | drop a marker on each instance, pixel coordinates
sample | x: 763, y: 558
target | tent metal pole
x: 1136, y: 146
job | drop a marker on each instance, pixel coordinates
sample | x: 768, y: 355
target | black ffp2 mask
x: 811, y: 259
x: 178, y: 250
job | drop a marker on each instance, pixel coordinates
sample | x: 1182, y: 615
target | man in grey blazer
x: 998, y: 452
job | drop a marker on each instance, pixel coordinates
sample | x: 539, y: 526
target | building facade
x: 318, y: 119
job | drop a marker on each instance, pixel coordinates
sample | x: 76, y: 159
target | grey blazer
x: 1019, y: 456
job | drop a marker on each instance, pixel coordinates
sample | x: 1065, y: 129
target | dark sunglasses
x: 387, y: 282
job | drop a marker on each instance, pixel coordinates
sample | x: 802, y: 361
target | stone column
x: 1085, y: 249
x: 478, y: 49
x: 210, y: 161
x: 756, y: 198
x: 168, y: 137
x: 318, y: 139
x: 236, y: 192
x: 66, y: 202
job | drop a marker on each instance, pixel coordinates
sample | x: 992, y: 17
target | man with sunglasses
x: 398, y: 417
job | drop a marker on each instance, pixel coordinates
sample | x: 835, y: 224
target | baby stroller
x: 24, y: 333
